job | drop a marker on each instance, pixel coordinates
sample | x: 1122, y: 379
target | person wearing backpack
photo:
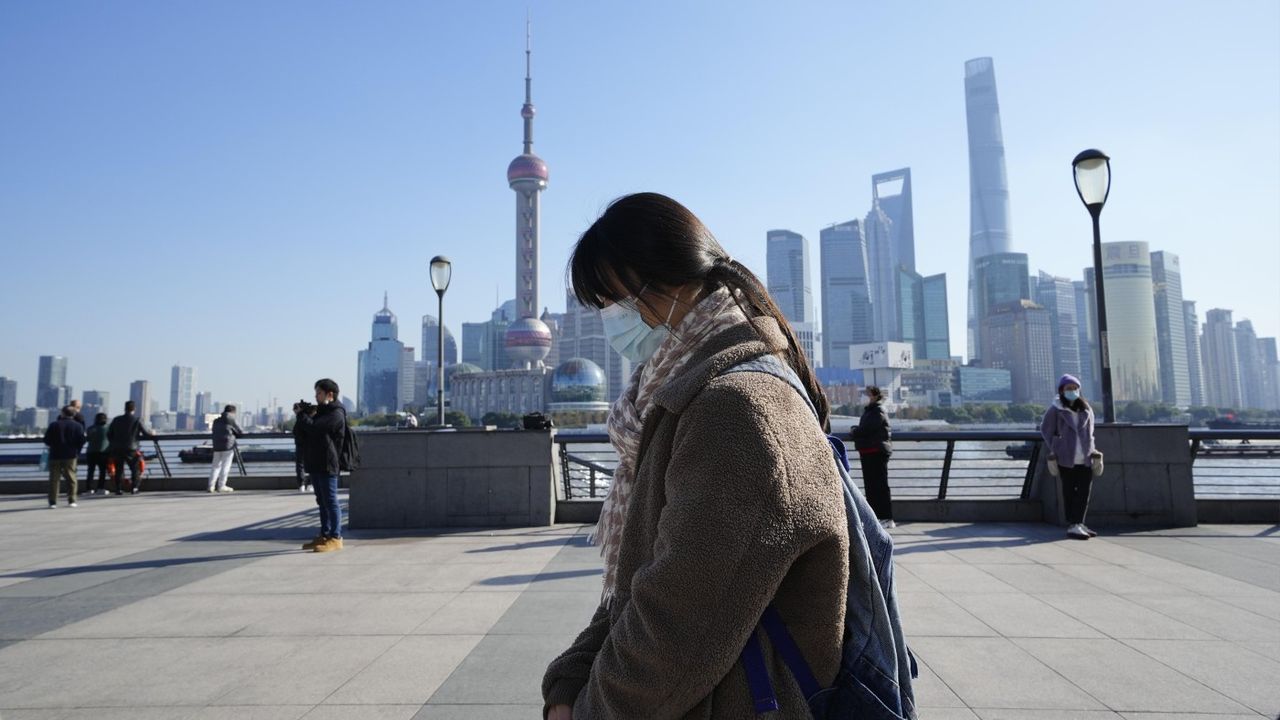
x: 96, y: 454
x: 872, y: 438
x: 320, y: 430
x: 122, y: 438
x: 725, y: 535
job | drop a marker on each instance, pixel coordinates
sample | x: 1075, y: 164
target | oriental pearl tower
x: 528, y: 339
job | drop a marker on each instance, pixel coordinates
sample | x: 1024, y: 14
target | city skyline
x: 442, y: 197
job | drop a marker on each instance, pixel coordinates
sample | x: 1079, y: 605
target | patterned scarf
x: 713, y: 314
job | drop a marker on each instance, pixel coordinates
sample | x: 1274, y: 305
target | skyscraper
x: 140, y: 395
x: 922, y: 314
x: 846, y: 292
x: 182, y: 382
x: 204, y: 405
x: 475, y: 338
x: 1058, y: 296
x: 8, y: 395
x: 989, y: 227
x: 1195, y: 361
x: 787, y: 269
x: 52, y: 392
x: 1085, y: 338
x: 890, y: 246
x: 1018, y: 337
x: 95, y: 401
x: 1221, y: 363
x: 1171, y: 329
x: 1271, y: 372
x: 385, y: 367
x: 528, y: 339
x: 996, y: 279
x: 937, y: 318
x: 1131, y: 323
x: 1254, y: 385
x: 431, y: 343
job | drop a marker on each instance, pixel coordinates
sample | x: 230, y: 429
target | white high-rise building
x: 1221, y: 362
x: 1131, y: 323
x: 182, y: 397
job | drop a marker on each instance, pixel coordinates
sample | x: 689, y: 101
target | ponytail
x: 743, y: 286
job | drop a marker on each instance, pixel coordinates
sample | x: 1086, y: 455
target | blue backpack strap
x: 790, y: 652
x: 758, y: 681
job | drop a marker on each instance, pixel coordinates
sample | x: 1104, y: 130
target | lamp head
x: 441, y: 271
x: 1092, y: 170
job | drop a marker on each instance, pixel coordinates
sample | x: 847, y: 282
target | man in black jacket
x: 873, y: 439
x: 64, y: 437
x: 123, y: 435
x: 319, y: 430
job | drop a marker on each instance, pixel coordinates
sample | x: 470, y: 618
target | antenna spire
x: 527, y: 112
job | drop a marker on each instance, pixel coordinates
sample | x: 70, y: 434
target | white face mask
x: 629, y: 334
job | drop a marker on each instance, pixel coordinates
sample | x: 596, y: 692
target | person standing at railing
x: 1067, y: 430
x: 872, y: 437
x: 64, y: 437
x: 225, y: 432
x: 96, y: 454
x: 123, y: 435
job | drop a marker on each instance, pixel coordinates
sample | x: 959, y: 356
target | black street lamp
x: 441, y: 271
x: 1092, y: 170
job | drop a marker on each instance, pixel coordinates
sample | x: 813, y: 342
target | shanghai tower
x: 989, y: 231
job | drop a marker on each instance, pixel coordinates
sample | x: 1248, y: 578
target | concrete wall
x: 1147, y: 479
x: 429, y: 479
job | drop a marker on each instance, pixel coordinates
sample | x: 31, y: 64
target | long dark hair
x: 649, y: 239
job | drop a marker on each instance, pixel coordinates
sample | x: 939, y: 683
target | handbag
x: 1097, y: 463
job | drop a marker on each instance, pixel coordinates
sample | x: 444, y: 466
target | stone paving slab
x: 209, y: 603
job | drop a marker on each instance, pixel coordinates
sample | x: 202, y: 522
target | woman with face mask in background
x: 1067, y: 430
x: 726, y: 497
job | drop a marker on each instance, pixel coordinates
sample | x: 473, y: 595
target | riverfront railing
x: 257, y: 455
x: 981, y: 464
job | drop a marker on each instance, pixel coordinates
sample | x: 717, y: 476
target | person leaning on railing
x: 1067, y: 430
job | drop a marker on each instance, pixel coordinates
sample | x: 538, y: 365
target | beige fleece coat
x: 736, y: 503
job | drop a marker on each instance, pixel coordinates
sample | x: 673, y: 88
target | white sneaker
x: 212, y: 490
x: 309, y: 489
x: 75, y: 504
x: 1078, y: 532
x: 303, y: 488
x: 226, y: 488
x: 888, y: 524
x: 53, y: 506
x: 1088, y: 530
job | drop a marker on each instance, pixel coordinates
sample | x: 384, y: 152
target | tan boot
x: 329, y: 545
x: 313, y: 542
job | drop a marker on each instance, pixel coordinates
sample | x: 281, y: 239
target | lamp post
x: 1092, y: 171
x: 441, y: 271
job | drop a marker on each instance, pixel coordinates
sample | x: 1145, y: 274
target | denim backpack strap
x: 758, y: 681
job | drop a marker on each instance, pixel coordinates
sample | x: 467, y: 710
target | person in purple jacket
x: 1067, y: 430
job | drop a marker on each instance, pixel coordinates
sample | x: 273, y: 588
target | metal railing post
x: 239, y: 461
x: 946, y: 470
x: 164, y: 464
x: 1031, y: 469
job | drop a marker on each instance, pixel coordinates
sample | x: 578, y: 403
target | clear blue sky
x: 233, y: 185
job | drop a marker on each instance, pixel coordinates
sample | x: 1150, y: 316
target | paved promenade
x: 183, y: 606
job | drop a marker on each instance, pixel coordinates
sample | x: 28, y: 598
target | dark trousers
x: 326, y: 488
x: 875, y: 479
x: 1076, y: 483
x: 121, y: 461
x: 96, y: 461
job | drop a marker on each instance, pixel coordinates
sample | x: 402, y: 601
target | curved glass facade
x: 1131, y: 322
